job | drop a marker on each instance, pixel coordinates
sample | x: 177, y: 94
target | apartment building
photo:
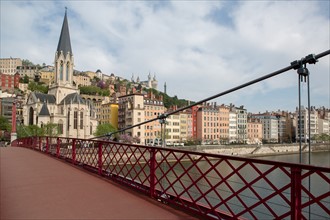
x: 109, y: 114
x: 302, y: 123
x: 269, y: 126
x: 183, y: 126
x: 224, y: 124
x: 254, y: 131
x: 131, y: 112
x: 186, y: 127
x: 323, y: 126
x: 9, y: 65
x: 241, y: 119
x: 6, y: 105
x: 82, y: 80
x: 208, y: 123
x: 233, y: 127
x: 153, y: 106
x: 285, y: 126
x: 194, y: 111
x: 98, y: 101
x: 189, y: 124
x: 173, y: 129
x: 9, y: 82
x: 90, y: 74
x: 29, y: 71
x: 23, y: 87
x: 47, y: 75
x: 324, y: 121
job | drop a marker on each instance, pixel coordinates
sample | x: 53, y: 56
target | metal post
x: 309, y: 118
x: 309, y: 135
x: 40, y: 143
x: 296, y: 212
x: 74, y: 151
x: 47, y: 145
x: 100, y: 162
x: 58, y: 147
x: 152, y: 163
x: 299, y: 118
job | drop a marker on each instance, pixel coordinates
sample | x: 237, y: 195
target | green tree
x: 29, y: 131
x: 103, y: 129
x: 50, y: 129
x: 26, y: 62
x: 321, y: 137
x: 93, y: 90
x: 26, y: 79
x: 4, y: 124
x: 33, y: 86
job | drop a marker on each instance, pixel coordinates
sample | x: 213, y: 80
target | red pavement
x: 36, y: 186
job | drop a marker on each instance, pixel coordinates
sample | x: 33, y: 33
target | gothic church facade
x: 63, y: 104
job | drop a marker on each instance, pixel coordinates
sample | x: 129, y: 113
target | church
x: 63, y: 105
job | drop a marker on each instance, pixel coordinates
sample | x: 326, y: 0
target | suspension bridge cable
x: 310, y: 59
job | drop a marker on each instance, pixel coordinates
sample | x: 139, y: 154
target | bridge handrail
x: 212, y: 186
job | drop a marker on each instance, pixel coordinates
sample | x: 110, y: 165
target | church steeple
x: 64, y: 64
x: 64, y: 43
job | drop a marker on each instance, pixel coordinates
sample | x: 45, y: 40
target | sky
x: 199, y: 48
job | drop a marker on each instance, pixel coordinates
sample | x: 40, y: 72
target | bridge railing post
x: 36, y: 142
x: 74, y: 151
x: 100, y: 162
x: 58, y: 147
x: 296, y: 212
x: 152, y: 163
x: 47, y: 145
x: 39, y: 144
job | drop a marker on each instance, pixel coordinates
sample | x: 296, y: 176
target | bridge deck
x: 35, y: 186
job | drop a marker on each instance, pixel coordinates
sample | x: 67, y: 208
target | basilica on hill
x: 63, y: 104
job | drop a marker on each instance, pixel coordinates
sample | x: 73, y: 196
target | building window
x: 61, y: 70
x: 91, y: 129
x: 75, y: 120
x: 60, y: 127
x: 67, y: 71
x: 31, y: 116
x: 81, y: 120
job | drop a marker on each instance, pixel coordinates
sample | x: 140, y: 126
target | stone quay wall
x: 255, y: 150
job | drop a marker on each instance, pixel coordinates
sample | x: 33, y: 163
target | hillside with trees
x: 170, y: 101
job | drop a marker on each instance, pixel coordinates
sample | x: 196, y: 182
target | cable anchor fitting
x: 300, y: 66
x: 162, y: 118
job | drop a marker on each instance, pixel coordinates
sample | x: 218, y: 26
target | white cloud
x: 183, y: 43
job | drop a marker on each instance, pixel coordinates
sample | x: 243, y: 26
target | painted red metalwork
x: 152, y: 163
x: 74, y: 151
x: 100, y: 163
x: 58, y: 147
x: 296, y: 193
x: 214, y: 186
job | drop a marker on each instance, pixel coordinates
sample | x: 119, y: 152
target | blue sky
x: 199, y: 48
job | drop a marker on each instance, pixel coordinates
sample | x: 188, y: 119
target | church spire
x: 64, y: 64
x: 64, y: 44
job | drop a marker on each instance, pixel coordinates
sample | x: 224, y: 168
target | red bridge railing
x: 212, y: 186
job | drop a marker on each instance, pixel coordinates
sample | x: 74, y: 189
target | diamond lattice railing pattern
x: 212, y: 186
